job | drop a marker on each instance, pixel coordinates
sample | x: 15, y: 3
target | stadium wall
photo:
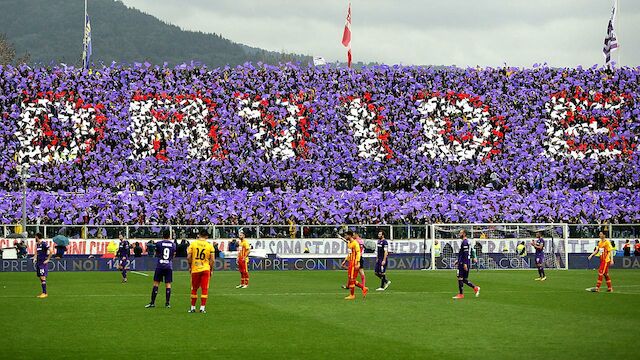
x: 273, y: 263
x: 334, y: 246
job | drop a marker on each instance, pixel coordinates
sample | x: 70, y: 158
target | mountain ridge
x: 51, y: 31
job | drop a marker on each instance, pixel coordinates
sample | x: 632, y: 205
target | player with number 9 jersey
x: 166, y: 250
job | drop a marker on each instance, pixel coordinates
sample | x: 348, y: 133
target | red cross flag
x: 346, y: 36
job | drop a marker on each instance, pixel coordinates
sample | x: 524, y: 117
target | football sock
x: 124, y: 274
x: 460, y: 286
x: 203, y: 298
x: 352, y: 290
x: 383, y: 280
x: 599, y: 282
x: 194, y: 297
x: 168, y: 294
x: 154, y: 293
x: 359, y: 285
x: 363, y: 279
x: 469, y: 283
x: 609, y: 283
x: 542, y: 270
x: 44, y: 286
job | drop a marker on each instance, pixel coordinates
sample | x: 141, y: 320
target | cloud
x: 464, y: 33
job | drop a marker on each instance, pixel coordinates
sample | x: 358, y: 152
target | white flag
x: 319, y: 61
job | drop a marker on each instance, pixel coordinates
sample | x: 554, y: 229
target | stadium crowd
x: 273, y: 145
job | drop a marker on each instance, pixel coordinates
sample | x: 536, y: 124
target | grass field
x: 302, y: 314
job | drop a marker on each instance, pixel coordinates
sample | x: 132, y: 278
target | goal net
x: 500, y: 246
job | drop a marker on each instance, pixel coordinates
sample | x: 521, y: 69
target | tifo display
x: 272, y: 145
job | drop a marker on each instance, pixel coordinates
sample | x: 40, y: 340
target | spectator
x: 521, y: 250
x: 436, y: 249
x: 216, y: 250
x: 626, y: 248
x: 614, y: 249
x: 233, y: 245
x: 637, y: 248
x: 151, y: 248
x: 22, y: 250
x: 60, y: 250
x: 137, y: 250
x: 16, y: 245
x: 478, y: 247
x: 474, y: 259
x: 181, y: 249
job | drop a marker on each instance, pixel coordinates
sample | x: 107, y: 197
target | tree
x: 8, y: 53
x: 7, y: 50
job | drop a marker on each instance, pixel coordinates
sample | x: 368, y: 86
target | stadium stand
x: 319, y: 145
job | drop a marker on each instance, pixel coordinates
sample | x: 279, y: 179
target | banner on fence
x: 81, y: 263
x: 396, y: 262
x: 333, y: 246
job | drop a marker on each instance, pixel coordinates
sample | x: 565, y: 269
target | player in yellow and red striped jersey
x: 353, y: 258
x: 243, y: 261
x: 606, y: 260
x: 201, y: 262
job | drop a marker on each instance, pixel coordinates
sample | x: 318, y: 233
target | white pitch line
x: 139, y: 273
x: 242, y: 293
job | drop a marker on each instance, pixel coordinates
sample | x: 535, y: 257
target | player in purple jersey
x: 124, y: 250
x: 538, y: 244
x: 464, y: 264
x: 40, y: 261
x: 165, y: 251
x: 382, y: 252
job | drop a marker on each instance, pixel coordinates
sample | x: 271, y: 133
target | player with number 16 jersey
x: 200, y: 259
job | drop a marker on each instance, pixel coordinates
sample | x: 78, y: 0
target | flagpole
x: 84, y: 36
x: 617, y: 21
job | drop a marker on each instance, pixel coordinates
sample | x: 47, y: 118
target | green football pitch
x: 302, y: 314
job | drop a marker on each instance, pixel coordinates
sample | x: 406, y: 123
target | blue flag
x: 86, y: 52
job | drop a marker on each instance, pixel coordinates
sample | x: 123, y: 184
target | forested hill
x: 52, y: 31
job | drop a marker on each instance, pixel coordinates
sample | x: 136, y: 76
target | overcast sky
x: 460, y: 32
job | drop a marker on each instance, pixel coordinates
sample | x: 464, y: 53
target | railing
x: 392, y: 232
